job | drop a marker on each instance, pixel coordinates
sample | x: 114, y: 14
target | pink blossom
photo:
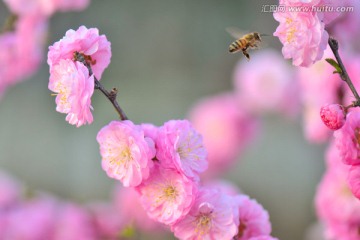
x: 333, y: 116
x: 85, y: 41
x: 269, y: 88
x: 251, y: 218
x: 126, y: 153
x: 294, y: 25
x: 74, y: 87
x: 72, y: 223
x: 348, y: 139
x: 211, y: 217
x: 180, y: 147
x: 167, y: 195
x: 227, y: 129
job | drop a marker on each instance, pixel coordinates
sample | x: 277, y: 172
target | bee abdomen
x: 236, y: 45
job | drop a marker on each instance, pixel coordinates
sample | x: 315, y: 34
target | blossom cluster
x: 294, y: 25
x: 163, y: 165
x: 24, y: 37
x: 70, y: 78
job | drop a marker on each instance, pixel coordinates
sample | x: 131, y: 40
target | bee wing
x: 235, y: 32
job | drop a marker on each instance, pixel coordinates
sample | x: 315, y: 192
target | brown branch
x: 86, y: 60
x: 334, y: 45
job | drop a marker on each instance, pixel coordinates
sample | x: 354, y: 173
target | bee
x: 244, y: 42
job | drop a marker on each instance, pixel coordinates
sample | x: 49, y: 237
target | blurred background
x: 167, y: 54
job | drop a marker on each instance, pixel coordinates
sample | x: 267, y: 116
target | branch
x: 334, y: 45
x: 86, y: 60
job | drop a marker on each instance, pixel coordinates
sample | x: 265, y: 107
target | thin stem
x: 86, y: 60
x: 334, y: 45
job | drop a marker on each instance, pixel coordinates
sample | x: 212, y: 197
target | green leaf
x: 333, y: 63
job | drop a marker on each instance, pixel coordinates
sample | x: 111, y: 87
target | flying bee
x: 244, y: 42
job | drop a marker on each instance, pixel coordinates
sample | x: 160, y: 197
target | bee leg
x: 246, y: 55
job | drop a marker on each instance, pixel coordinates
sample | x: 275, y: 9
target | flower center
x: 290, y: 34
x: 120, y: 156
x: 126, y: 155
x: 188, y: 147
x: 170, y: 192
x: 203, y: 223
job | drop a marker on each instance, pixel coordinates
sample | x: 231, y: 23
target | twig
x: 86, y: 60
x: 334, y: 45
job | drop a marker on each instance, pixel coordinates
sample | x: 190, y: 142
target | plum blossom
x: 293, y: 26
x: 211, y: 217
x: 251, y: 218
x: 180, y: 147
x: 227, y: 129
x: 167, y: 195
x: 333, y: 116
x: 73, y: 88
x: 126, y: 153
x: 94, y: 47
x: 348, y: 139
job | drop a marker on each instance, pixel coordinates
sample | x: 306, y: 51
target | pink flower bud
x: 333, y: 116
